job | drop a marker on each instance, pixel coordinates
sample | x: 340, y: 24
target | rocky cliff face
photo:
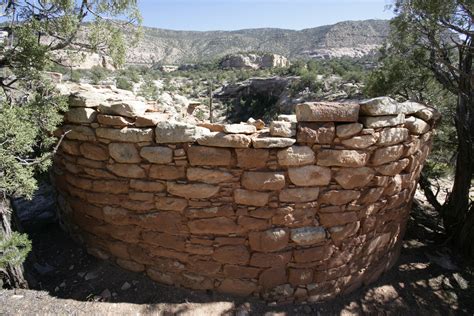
x: 350, y: 38
x: 254, y: 61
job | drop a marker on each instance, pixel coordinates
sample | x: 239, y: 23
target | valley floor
x: 427, y: 280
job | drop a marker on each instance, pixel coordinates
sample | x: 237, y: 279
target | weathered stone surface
x: 336, y: 219
x: 410, y: 107
x: 348, y: 130
x: 392, y: 136
x: 327, y: 111
x: 216, y: 211
x: 287, y: 118
x: 239, y: 129
x: 94, y: 151
x: 213, y: 127
x: 209, y: 156
x: 371, y: 195
x: 251, y: 158
x: 382, y: 121
x: 316, y: 133
x: 360, y: 142
x: 252, y: 198
x: 164, y: 172
x: 282, y: 129
x: 250, y: 223
x: 350, y: 178
x: 320, y: 253
x: 293, y: 217
x: 124, y: 152
x: 178, y: 132
x: 263, y: 181
x: 232, y: 254
x: 296, y: 156
x: 428, y: 114
x: 393, y: 168
x: 157, y: 154
x: 416, y: 125
x: 299, y: 195
x: 246, y: 272
x: 126, y: 134
x: 344, y: 231
x: 150, y: 119
x: 237, y: 287
x: 379, y: 106
x: 171, y: 204
x: 270, y: 240
x: 266, y: 260
x: 272, y: 142
x: 126, y: 170
x: 217, y: 225
x: 272, y: 277
x: 308, y: 235
x: 113, y: 120
x: 342, y: 158
x: 128, y: 108
x: 339, y: 197
x: 386, y: 154
x: 78, y: 132
x: 210, y: 176
x: 192, y: 191
x: 147, y: 186
x: 81, y: 115
x: 220, y: 139
x: 70, y: 147
x: 300, y: 276
x: 309, y: 175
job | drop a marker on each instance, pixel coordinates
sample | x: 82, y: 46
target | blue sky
x: 204, y: 15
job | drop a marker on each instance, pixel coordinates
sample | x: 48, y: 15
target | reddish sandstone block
x: 300, y: 276
x: 272, y: 277
x: 209, y: 156
x: 252, y: 158
x: 237, y: 287
x: 313, y: 254
x: 232, y: 254
x: 235, y: 271
x: 270, y: 240
x: 266, y: 260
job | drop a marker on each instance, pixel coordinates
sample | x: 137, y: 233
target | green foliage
x: 98, y: 74
x: 124, y: 83
x: 13, y: 250
x: 30, y: 109
x: 148, y: 89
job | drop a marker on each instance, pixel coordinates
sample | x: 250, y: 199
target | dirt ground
x: 427, y: 280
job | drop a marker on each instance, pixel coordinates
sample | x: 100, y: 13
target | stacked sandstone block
x: 312, y: 213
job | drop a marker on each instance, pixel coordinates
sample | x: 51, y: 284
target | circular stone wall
x: 315, y: 212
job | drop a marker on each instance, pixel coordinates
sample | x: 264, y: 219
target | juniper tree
x: 30, y: 109
x: 431, y: 55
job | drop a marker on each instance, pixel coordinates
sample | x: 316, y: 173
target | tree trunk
x: 10, y: 276
x: 457, y: 213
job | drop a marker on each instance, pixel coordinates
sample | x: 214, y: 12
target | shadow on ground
x: 427, y: 279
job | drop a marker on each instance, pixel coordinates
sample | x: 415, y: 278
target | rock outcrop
x: 240, y: 209
x: 254, y: 61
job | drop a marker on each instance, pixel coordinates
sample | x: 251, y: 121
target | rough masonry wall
x: 303, y: 211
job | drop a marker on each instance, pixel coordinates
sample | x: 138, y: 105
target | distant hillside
x: 349, y: 38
